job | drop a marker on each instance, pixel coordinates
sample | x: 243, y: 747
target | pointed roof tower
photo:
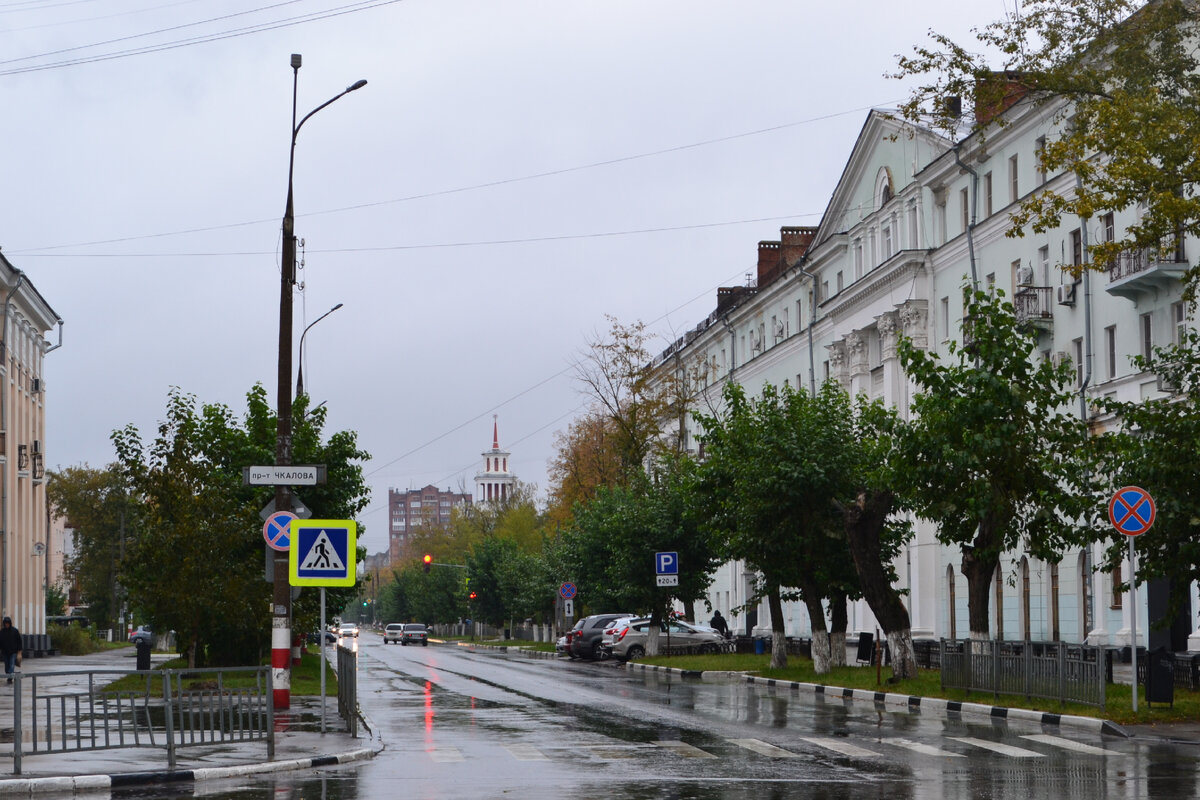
x: 495, y: 482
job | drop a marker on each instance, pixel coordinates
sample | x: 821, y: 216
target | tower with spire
x: 495, y: 483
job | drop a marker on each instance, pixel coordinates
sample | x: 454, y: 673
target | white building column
x: 1194, y: 636
x: 1099, y: 634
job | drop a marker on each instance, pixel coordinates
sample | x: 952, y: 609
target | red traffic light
x: 428, y: 561
x: 471, y: 596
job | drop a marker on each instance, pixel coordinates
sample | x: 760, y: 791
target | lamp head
x: 296, y: 61
x: 356, y: 86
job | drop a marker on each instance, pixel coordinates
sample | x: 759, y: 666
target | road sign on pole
x: 668, y: 580
x: 275, y: 530
x: 666, y: 564
x: 567, y: 591
x: 1131, y: 511
x: 322, y: 552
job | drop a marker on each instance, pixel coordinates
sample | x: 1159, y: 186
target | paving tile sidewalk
x: 299, y: 742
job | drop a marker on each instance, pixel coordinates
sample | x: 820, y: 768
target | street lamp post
x: 300, y: 369
x: 281, y: 606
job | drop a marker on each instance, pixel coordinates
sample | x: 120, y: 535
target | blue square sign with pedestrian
x: 322, y: 552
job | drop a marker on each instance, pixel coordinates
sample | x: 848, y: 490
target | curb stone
x: 914, y: 703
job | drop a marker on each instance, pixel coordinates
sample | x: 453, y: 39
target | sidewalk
x: 299, y: 743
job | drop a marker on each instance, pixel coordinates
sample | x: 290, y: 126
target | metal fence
x: 347, y: 674
x: 1046, y: 670
x: 63, y: 712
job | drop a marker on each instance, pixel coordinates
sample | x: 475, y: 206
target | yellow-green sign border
x: 351, y: 528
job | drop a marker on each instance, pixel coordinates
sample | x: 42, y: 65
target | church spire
x: 495, y: 432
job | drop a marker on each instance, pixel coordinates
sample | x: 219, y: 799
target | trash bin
x: 143, y: 654
x: 760, y: 645
x: 1160, y: 677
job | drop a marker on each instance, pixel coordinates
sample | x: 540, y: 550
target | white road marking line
x: 525, y: 752
x: 1066, y: 744
x: 923, y: 749
x: 762, y: 748
x: 445, y: 754
x: 996, y: 747
x: 840, y: 746
x: 684, y: 749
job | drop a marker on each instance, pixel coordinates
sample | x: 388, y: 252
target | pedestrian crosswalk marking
x: 996, y: 747
x: 1066, y: 744
x: 840, y: 746
x: 445, y: 754
x: 525, y: 752
x: 684, y: 749
x: 322, y: 555
x: 923, y: 749
x: 610, y: 751
x: 764, y: 749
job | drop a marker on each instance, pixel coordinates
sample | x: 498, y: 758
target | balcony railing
x: 1135, y: 272
x: 1034, y: 303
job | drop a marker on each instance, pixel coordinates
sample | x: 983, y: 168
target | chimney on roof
x: 997, y: 92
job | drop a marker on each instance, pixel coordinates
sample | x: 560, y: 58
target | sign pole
x: 1131, y: 511
x: 321, y: 657
x: 1133, y: 614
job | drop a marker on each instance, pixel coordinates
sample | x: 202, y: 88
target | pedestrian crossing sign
x: 322, y: 552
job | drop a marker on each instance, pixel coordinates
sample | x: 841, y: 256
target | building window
x: 987, y: 194
x: 824, y: 289
x: 940, y: 217
x: 1076, y: 248
x: 887, y: 242
x: 1044, y: 264
x: 1179, y: 318
x: 1110, y: 351
x: 966, y: 210
x: 1107, y: 228
x: 913, y: 230
x: 1039, y: 147
x: 1013, y: 183
x: 945, y: 304
x: 990, y: 281
x: 1117, y: 597
x: 1147, y: 330
x: 839, y: 282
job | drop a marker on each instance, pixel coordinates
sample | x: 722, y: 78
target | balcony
x: 1145, y: 272
x: 1034, y: 305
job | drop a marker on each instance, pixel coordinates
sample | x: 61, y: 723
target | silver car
x: 674, y: 637
x: 392, y: 633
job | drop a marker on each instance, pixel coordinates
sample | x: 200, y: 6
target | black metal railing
x: 1046, y: 670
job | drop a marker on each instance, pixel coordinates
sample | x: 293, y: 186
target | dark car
x: 414, y: 633
x: 584, y: 639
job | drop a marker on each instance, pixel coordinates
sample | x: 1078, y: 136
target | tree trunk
x: 864, y: 521
x: 979, y: 571
x: 778, y: 637
x: 820, y: 636
x: 837, y: 629
x: 652, y: 632
x: 689, y: 610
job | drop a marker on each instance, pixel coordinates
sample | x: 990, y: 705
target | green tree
x: 1121, y: 76
x: 97, y: 504
x: 992, y: 456
x: 56, y: 601
x: 769, y: 493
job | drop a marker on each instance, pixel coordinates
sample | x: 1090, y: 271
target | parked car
x: 414, y: 633
x: 392, y: 633
x: 329, y: 636
x: 348, y: 629
x: 560, y: 646
x: 630, y: 643
x: 612, y: 629
x: 143, y: 633
x: 584, y: 640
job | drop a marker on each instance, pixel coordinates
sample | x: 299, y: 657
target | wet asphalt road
x: 460, y: 724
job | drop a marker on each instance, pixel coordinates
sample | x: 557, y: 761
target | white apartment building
x: 25, y: 527
x: 891, y: 255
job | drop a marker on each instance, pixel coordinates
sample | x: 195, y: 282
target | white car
x: 393, y: 633
x: 348, y: 629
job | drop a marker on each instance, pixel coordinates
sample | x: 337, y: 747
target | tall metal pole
x: 300, y: 367
x: 281, y: 607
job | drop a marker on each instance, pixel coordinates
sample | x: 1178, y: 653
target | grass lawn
x: 928, y: 684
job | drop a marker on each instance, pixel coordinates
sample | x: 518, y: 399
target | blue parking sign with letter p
x: 666, y: 563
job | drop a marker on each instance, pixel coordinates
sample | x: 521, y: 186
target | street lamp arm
x: 300, y: 370
x: 351, y: 88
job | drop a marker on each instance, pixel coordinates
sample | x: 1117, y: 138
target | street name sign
x: 322, y: 552
x: 284, y: 475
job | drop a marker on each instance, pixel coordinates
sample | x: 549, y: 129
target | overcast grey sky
x: 514, y: 170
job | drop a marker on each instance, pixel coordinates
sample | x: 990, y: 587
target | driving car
x: 392, y: 633
x: 414, y: 633
x: 584, y: 639
x: 630, y: 643
x: 348, y: 629
x: 144, y: 633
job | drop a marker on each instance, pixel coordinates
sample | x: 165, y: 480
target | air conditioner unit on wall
x: 1066, y: 294
x: 1059, y: 358
x: 1024, y: 276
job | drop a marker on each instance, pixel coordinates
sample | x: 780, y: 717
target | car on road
x: 348, y: 629
x: 143, y: 633
x: 560, y: 646
x: 584, y: 640
x: 414, y: 633
x: 391, y: 634
x: 630, y: 643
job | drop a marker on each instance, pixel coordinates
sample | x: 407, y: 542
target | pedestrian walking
x: 10, y: 647
x: 718, y: 624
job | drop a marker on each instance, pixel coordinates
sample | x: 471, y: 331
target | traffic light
x: 471, y: 596
x: 428, y: 561
x: 364, y: 603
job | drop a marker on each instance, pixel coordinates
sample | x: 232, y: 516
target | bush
x: 73, y: 640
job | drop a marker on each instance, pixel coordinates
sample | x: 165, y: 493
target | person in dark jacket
x: 718, y: 624
x: 10, y: 646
